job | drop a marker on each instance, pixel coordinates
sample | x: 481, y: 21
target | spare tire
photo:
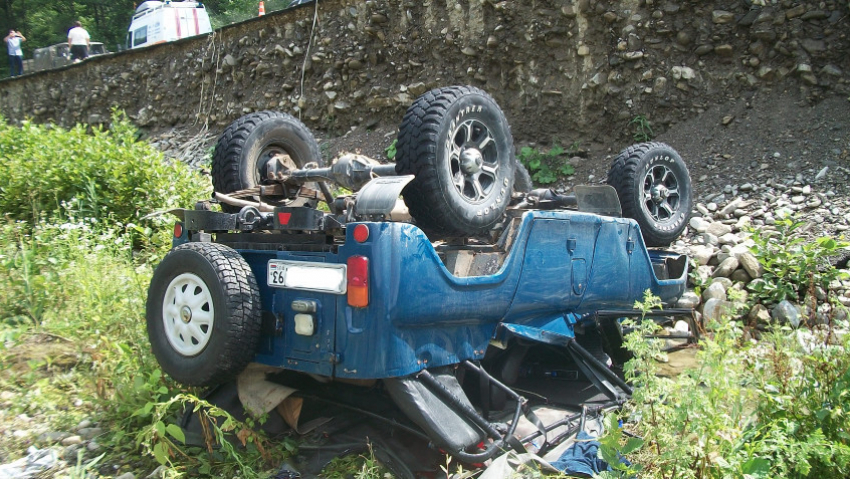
x: 654, y: 188
x: 203, y: 314
x: 246, y: 145
x: 458, y: 144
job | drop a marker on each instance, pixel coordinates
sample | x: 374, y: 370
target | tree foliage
x: 46, y: 22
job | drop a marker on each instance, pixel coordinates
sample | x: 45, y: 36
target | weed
x: 229, y: 446
x: 642, y: 129
x: 359, y: 466
x: 650, y: 303
x: 390, y: 151
x: 458, y: 472
x: 325, y: 149
x: 767, y: 409
x: 83, y: 470
x: 547, y: 166
x: 793, y: 264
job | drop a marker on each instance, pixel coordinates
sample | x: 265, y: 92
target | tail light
x: 178, y: 229
x: 358, y: 281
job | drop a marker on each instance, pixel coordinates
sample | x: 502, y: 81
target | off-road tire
x: 458, y: 190
x: 212, y: 282
x: 522, y: 179
x: 238, y: 158
x: 655, y: 190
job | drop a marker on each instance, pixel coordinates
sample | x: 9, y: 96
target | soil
x: 769, y: 135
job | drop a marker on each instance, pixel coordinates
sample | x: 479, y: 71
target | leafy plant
x: 793, y: 264
x: 642, y: 129
x: 50, y: 172
x: 391, y: 150
x: 614, y: 446
x: 547, y: 166
x: 82, y: 469
x: 767, y: 409
x: 359, y: 466
x: 458, y: 472
x: 229, y: 446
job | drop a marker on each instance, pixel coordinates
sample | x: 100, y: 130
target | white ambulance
x: 159, y: 22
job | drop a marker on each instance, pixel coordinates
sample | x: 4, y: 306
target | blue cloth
x: 581, y: 457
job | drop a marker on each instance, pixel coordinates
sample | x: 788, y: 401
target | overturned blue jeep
x: 325, y: 271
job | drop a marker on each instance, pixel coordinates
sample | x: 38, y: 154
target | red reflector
x: 358, y: 281
x: 361, y: 233
x: 178, y: 230
x: 283, y: 218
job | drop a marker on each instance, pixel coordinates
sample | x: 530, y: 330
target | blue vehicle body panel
x: 562, y: 265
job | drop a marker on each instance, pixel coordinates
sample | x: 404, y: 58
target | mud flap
x: 446, y: 427
x: 379, y: 196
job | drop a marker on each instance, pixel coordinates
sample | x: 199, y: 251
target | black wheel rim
x: 661, y: 198
x: 473, y: 157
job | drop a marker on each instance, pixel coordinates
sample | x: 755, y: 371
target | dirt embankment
x: 562, y: 71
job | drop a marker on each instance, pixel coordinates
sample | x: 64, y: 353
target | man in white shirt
x: 16, y: 55
x: 79, y: 42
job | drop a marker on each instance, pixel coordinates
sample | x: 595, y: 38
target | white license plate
x: 307, y: 276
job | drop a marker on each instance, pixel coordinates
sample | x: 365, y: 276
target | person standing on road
x: 16, y: 55
x: 78, y: 42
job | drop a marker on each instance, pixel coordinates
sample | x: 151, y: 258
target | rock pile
x: 720, y: 239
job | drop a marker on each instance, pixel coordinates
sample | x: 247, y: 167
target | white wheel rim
x: 188, y: 314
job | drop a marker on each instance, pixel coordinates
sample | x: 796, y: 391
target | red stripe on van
x: 195, y: 14
x: 177, y: 21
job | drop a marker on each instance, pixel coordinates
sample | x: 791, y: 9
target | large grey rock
x: 702, y: 254
x: 729, y: 238
x: 787, y: 312
x: 703, y: 273
x: 751, y: 265
x: 740, y: 275
x: 718, y: 229
x: 689, y: 300
x: 709, y: 239
x: 730, y: 207
x: 759, y: 314
x: 721, y: 17
x: 72, y: 440
x: 716, y: 290
x: 717, y: 310
x: 700, y: 225
x: 726, y: 268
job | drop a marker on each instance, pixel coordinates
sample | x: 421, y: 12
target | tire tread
x: 622, y: 176
x: 242, y: 309
x: 418, y: 140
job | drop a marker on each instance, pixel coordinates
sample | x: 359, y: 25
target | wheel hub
x: 659, y: 193
x: 188, y: 314
x: 471, y: 161
x: 474, y: 158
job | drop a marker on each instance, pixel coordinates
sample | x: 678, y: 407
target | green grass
x: 77, y: 254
